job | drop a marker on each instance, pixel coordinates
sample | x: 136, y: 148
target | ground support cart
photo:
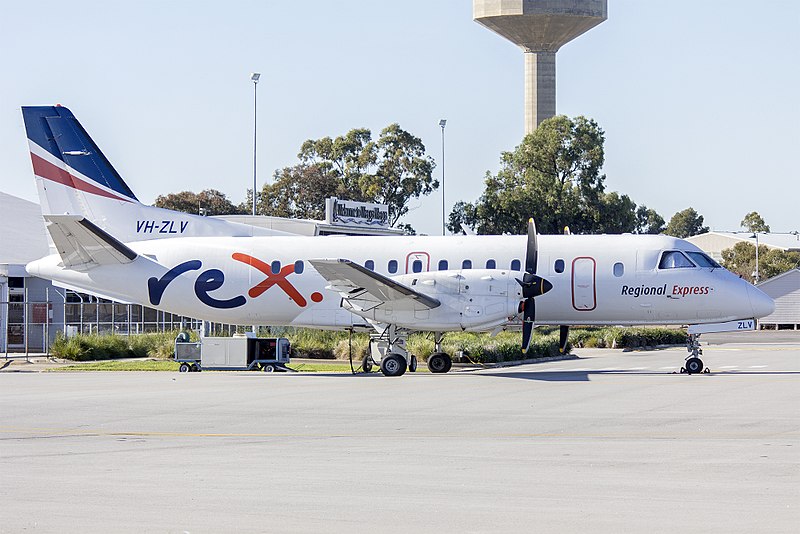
x: 239, y: 353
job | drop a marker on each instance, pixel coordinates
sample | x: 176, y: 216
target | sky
x: 698, y: 99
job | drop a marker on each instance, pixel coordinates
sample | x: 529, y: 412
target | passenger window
x: 491, y: 264
x: 369, y: 264
x: 442, y: 265
x: 619, y: 269
x: 673, y: 259
x: 515, y: 265
x: 392, y: 266
x: 275, y: 267
x: 559, y: 266
x: 703, y: 260
x: 298, y: 267
x: 417, y: 266
x: 466, y: 264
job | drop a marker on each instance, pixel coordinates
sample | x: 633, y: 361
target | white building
x: 22, y: 240
x: 785, y: 290
x: 713, y: 243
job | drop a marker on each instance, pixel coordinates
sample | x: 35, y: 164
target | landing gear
x: 439, y: 362
x: 694, y: 364
x: 388, y: 349
x: 393, y: 365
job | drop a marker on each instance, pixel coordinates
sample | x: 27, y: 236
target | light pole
x: 756, y: 278
x: 254, y: 76
x: 442, y: 123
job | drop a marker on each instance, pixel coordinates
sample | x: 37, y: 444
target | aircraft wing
x: 82, y: 245
x: 367, y: 289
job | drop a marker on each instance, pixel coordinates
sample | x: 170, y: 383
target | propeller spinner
x: 532, y: 286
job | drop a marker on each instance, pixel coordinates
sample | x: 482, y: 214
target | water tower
x: 540, y: 28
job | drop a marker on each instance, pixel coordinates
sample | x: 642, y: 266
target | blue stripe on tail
x: 55, y: 129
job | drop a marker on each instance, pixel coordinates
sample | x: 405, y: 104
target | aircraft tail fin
x: 73, y: 177
x: 65, y: 156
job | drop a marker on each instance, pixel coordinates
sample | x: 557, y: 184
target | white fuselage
x: 597, y: 280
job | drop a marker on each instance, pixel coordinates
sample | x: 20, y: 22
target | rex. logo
x: 212, y: 279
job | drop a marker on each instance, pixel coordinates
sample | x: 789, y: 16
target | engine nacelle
x: 471, y: 299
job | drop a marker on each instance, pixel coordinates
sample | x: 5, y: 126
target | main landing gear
x: 389, y: 348
x: 694, y: 364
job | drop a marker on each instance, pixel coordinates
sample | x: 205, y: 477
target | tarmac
x: 610, y: 442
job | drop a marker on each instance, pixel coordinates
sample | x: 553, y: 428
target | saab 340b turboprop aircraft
x: 112, y: 245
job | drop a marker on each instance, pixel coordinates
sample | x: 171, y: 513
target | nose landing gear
x: 694, y: 364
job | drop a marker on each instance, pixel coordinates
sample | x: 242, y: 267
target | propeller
x: 532, y: 287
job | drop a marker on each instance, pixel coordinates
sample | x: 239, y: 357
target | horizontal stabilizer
x: 82, y: 245
x: 356, y: 282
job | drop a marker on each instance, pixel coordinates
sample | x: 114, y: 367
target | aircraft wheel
x: 184, y: 368
x: 412, y: 364
x: 268, y: 368
x: 439, y: 362
x: 366, y: 365
x: 393, y: 365
x: 694, y: 365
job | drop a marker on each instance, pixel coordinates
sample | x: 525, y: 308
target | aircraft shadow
x: 585, y: 376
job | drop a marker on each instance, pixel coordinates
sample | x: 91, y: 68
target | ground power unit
x: 239, y: 353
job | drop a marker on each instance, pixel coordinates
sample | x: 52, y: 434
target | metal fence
x: 32, y: 326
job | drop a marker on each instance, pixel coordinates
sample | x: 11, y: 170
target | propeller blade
x: 532, y: 252
x: 563, y: 337
x: 529, y: 313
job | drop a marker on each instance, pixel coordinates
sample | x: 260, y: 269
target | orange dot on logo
x: 316, y: 296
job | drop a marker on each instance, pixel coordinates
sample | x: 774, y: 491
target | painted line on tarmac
x: 397, y: 435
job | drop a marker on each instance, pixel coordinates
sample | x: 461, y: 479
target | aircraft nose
x: 761, y: 303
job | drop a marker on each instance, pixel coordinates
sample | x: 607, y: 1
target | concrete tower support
x: 540, y: 28
x: 540, y: 88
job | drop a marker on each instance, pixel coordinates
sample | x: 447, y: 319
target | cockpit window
x: 703, y: 260
x: 674, y: 259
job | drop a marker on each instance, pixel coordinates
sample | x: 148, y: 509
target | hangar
x: 785, y: 291
x: 713, y: 243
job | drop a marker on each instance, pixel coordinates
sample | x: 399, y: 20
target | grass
x: 89, y: 347
x: 335, y: 346
x: 120, y: 365
x: 169, y: 365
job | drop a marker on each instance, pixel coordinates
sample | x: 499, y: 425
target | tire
x: 393, y: 365
x: 184, y: 368
x: 194, y: 368
x: 439, y: 362
x: 412, y: 364
x: 366, y: 365
x: 694, y: 365
x: 268, y: 368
